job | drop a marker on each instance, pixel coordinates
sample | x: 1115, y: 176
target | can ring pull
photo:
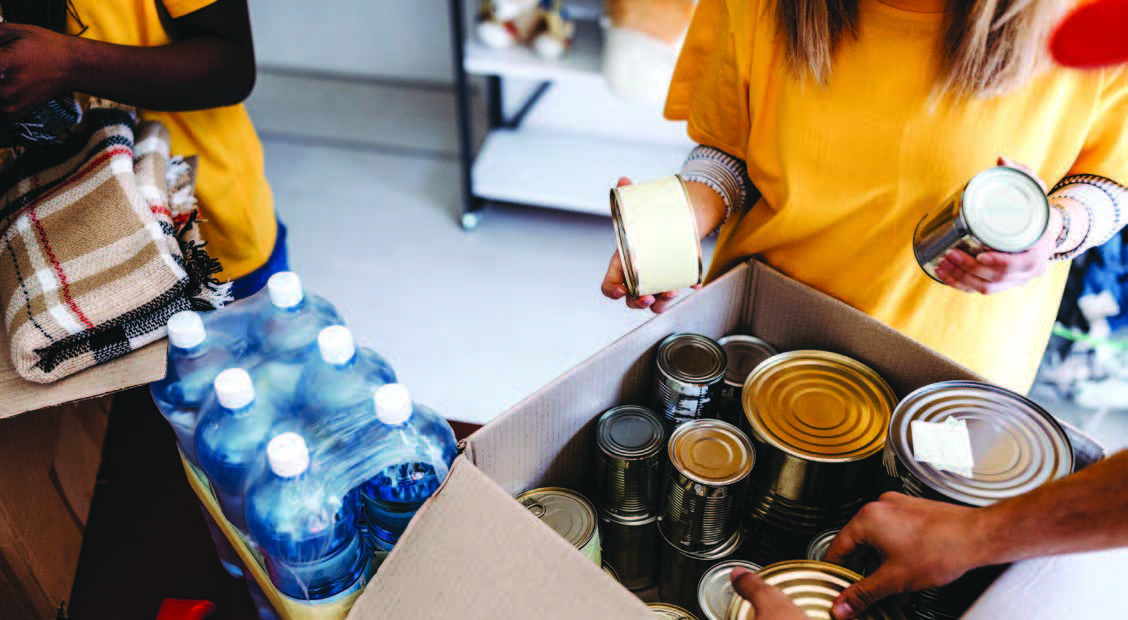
x: 534, y: 507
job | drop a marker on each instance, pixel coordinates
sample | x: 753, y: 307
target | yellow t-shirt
x: 848, y: 170
x: 236, y: 205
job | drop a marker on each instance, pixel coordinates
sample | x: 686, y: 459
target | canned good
x: 710, y: 462
x: 816, y: 551
x: 610, y: 570
x: 682, y: 570
x: 628, y: 470
x: 813, y: 586
x: 691, y: 372
x: 999, y: 210
x: 667, y: 611
x: 714, y: 592
x: 1016, y: 445
x: 818, y: 421
x: 744, y: 354
x: 656, y: 233
x: 630, y: 545
x: 569, y: 514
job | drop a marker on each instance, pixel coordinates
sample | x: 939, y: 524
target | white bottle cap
x: 234, y: 389
x: 186, y: 330
x: 393, y: 404
x: 288, y: 455
x: 285, y: 289
x: 336, y: 344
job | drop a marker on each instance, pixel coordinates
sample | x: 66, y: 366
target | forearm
x: 193, y: 74
x: 1084, y: 512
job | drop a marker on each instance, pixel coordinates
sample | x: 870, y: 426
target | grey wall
x: 398, y: 39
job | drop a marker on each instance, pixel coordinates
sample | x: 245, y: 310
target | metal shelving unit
x: 536, y: 163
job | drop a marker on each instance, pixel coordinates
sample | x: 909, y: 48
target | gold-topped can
x: 710, y: 462
x: 744, y: 354
x: 682, y: 570
x: 666, y: 611
x: 569, y: 514
x: 818, y: 421
x: 813, y: 586
x: 656, y: 233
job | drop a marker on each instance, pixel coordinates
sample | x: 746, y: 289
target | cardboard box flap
x: 473, y: 552
x: 559, y: 415
x: 138, y: 368
x: 1080, y: 585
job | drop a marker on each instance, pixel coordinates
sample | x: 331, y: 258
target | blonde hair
x: 988, y: 47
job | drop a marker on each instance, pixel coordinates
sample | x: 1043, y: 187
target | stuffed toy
x: 641, y: 45
x: 541, y: 24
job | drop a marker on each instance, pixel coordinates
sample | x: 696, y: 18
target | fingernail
x: 737, y: 573
x: 843, y: 610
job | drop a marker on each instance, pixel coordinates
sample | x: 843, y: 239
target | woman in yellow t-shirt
x: 186, y: 63
x: 854, y: 119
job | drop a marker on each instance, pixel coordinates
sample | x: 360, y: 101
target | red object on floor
x: 179, y: 609
x: 1093, y: 35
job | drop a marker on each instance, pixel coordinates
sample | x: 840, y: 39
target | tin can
x: 710, y: 463
x: 682, y: 570
x: 666, y: 611
x: 630, y: 545
x: 1001, y: 210
x: 610, y: 570
x: 656, y: 233
x: 569, y: 514
x: 689, y: 378
x: 714, y: 592
x: 744, y: 354
x: 628, y: 470
x: 816, y: 551
x: 818, y: 421
x: 813, y: 586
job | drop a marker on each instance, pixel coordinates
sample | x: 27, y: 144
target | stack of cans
x: 689, y: 378
x: 715, y: 593
x: 1015, y: 446
x: 813, y: 586
x: 710, y: 462
x: 818, y: 421
x: 744, y: 354
x: 631, y: 442
x: 569, y: 514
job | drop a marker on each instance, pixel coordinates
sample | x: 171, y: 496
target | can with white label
x: 999, y: 210
x: 656, y: 232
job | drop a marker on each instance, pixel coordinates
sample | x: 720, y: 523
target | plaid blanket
x: 98, y: 246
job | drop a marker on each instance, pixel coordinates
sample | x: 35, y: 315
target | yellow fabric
x: 848, y: 170
x: 236, y: 205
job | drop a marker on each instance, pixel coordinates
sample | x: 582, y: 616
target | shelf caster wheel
x: 471, y: 220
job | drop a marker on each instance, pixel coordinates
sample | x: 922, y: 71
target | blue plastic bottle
x: 283, y: 336
x: 195, y: 358
x: 342, y: 376
x: 230, y: 439
x: 310, y: 539
x: 416, y: 447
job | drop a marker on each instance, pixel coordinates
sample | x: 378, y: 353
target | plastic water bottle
x: 195, y: 358
x: 311, y: 544
x: 230, y: 439
x: 342, y: 376
x: 419, y: 447
x: 283, y: 336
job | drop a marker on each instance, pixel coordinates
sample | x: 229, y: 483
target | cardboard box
x: 473, y: 552
x: 50, y: 449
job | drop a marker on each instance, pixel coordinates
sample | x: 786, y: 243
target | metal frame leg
x: 471, y: 204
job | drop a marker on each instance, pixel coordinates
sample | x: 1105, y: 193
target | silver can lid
x: 744, y: 354
x: 1015, y: 445
x: 692, y: 358
x: 568, y: 513
x: 714, y: 591
x: 1006, y: 209
x: 667, y: 611
x: 630, y: 432
x: 820, y: 544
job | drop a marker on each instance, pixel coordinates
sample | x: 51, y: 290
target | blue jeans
x: 254, y: 281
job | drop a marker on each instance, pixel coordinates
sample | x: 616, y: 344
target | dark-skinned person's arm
x: 210, y: 63
x: 924, y: 544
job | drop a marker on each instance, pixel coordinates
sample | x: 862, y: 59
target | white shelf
x: 565, y: 171
x: 583, y: 62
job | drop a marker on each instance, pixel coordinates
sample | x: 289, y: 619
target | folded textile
x: 98, y: 246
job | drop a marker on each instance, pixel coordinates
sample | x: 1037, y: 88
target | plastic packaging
x: 230, y: 439
x: 309, y: 536
x: 195, y: 357
x: 342, y: 376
